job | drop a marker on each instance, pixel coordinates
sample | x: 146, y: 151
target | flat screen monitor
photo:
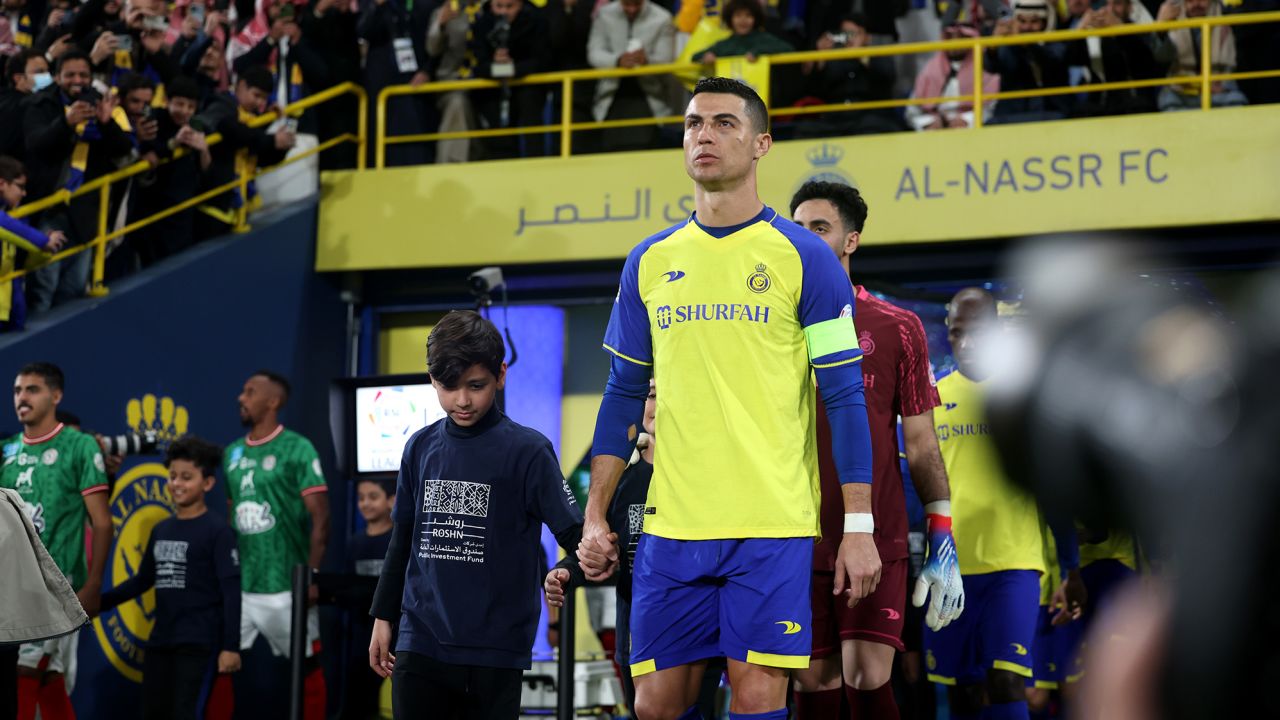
x: 386, y: 416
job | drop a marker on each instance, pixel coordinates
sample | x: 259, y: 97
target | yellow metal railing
x: 566, y: 127
x: 102, y: 185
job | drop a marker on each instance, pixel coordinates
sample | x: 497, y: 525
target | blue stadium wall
x: 180, y: 341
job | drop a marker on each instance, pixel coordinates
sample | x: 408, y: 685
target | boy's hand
x: 554, y: 586
x: 228, y: 661
x: 380, y: 657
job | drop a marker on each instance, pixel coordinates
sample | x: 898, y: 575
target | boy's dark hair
x: 17, y: 65
x: 199, y: 452
x: 70, y: 55
x: 847, y: 200
x: 462, y: 339
x: 734, y: 6
x: 757, y: 112
x: 279, y: 381
x: 387, y: 484
x: 51, y: 373
x: 257, y: 77
x: 11, y: 168
x: 133, y: 81
x: 183, y: 87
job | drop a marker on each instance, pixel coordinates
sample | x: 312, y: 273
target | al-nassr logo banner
x: 139, y: 500
x: 1158, y: 170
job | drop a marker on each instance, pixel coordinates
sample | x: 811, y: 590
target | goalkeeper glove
x: 940, y: 577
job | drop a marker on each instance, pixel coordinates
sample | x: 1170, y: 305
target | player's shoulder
x: 12, y: 445
x: 806, y: 243
x: 869, y: 304
x: 950, y: 379
x: 78, y: 439
x: 644, y: 245
x: 292, y: 437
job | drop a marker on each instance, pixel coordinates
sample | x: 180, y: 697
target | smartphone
x: 197, y: 12
x: 155, y: 22
x: 291, y: 124
x: 124, y: 41
x: 839, y: 39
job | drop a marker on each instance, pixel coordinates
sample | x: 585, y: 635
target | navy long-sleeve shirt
x: 195, y: 568
x: 463, y: 574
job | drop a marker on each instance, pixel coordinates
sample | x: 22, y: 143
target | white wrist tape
x: 938, y: 507
x: 859, y: 523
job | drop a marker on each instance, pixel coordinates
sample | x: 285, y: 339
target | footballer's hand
x: 228, y: 661
x: 940, y: 578
x: 858, y: 562
x: 555, y: 585
x: 1069, y: 599
x: 598, y: 550
x: 380, y: 657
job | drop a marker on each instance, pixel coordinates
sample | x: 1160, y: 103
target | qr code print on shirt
x: 456, y: 497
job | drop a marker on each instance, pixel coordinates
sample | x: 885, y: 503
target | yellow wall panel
x: 1157, y: 170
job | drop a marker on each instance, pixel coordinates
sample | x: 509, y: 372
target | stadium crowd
x: 92, y: 86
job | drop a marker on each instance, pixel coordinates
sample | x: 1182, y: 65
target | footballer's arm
x: 617, y: 427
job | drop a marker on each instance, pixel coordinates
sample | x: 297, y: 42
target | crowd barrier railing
x: 566, y: 79
x: 103, y: 186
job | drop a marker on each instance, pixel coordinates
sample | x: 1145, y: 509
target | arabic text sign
x: 1140, y: 171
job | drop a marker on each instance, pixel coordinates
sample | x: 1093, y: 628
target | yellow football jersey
x: 996, y: 524
x: 1117, y: 546
x: 731, y: 320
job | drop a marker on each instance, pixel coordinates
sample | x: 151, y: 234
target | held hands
x: 554, y: 586
x: 380, y: 658
x: 228, y: 661
x: 598, y: 550
x: 858, y: 561
x: 940, y: 577
x: 1169, y: 10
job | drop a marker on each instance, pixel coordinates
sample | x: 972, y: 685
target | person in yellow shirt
x: 985, y: 654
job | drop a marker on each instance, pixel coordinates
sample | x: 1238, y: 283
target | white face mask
x: 42, y: 81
